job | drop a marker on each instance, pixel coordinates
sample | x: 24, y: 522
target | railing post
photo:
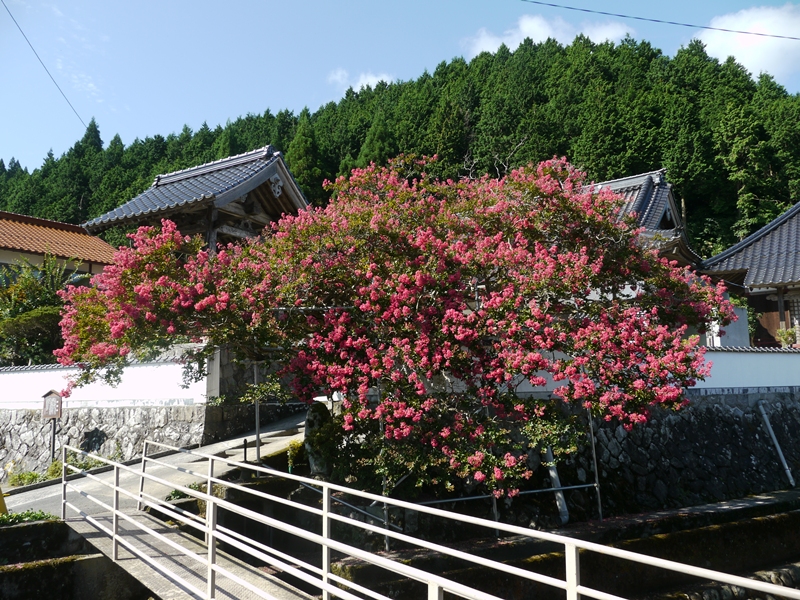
x: 115, y: 545
x: 326, y: 534
x: 386, y: 538
x: 63, y: 483
x: 496, y: 514
x: 573, y: 571
x: 434, y: 591
x: 141, y: 477
x: 211, y: 527
x: 209, y: 489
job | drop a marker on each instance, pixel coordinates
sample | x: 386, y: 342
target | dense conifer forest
x: 730, y: 141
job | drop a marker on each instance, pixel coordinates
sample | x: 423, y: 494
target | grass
x: 28, y: 516
x: 79, y: 461
x: 177, y: 494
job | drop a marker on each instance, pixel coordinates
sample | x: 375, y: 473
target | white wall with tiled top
x: 148, y: 384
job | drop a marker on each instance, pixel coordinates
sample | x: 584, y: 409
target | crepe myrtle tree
x: 426, y: 304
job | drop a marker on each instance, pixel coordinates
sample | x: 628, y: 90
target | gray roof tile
x: 647, y: 195
x: 192, y: 187
x: 770, y: 257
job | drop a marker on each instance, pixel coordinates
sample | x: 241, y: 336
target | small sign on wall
x: 52, y: 405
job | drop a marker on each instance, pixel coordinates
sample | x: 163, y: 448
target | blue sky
x: 147, y: 67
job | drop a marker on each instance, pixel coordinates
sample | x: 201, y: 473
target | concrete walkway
x: 182, y: 469
x: 186, y: 567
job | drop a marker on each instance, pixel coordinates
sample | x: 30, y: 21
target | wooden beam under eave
x: 259, y: 217
x: 268, y: 203
x: 234, y: 232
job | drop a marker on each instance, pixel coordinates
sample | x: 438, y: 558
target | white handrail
x: 322, y: 577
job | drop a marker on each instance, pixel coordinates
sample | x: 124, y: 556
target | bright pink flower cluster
x: 437, y: 309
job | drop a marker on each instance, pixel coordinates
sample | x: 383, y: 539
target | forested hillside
x: 730, y: 143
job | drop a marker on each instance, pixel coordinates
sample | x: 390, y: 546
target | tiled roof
x: 770, y: 257
x: 760, y: 349
x: 647, y: 195
x: 19, y: 233
x: 217, y: 182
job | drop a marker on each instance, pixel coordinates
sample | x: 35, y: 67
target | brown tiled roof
x: 39, y: 236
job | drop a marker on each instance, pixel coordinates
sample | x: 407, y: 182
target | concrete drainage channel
x: 47, y: 559
x: 743, y: 546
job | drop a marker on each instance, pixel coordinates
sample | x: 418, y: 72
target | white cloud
x: 84, y: 84
x: 342, y: 79
x: 339, y: 77
x: 370, y: 79
x: 780, y: 58
x: 539, y: 29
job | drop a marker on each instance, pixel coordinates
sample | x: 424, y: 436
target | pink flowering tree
x: 465, y: 323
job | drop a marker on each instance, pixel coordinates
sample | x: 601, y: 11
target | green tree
x: 30, y: 310
x: 379, y: 146
x: 303, y: 159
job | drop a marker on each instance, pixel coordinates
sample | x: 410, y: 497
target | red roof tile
x: 39, y: 236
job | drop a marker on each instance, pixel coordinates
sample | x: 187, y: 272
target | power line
x: 42, y: 63
x: 610, y: 14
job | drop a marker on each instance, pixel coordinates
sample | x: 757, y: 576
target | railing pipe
x: 594, y: 464
x: 115, y: 540
x: 435, y: 592
x: 573, y: 570
x: 496, y: 515
x: 211, y: 521
x: 775, y: 443
x: 326, y: 533
x: 63, y: 483
x: 141, y: 477
x: 436, y: 584
x: 275, y: 472
x: 210, y: 489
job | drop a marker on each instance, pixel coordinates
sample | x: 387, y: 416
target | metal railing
x: 321, y: 577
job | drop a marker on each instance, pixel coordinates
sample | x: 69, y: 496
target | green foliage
x: 269, y: 390
x: 54, y: 471
x: 27, y: 516
x: 786, y: 337
x: 731, y: 144
x: 303, y: 158
x: 30, y: 310
x: 178, y: 494
x: 26, y: 478
x: 296, y: 453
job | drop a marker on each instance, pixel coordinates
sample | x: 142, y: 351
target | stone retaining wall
x: 717, y: 448
x: 120, y: 432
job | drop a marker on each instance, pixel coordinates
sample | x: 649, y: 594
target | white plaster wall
x: 752, y: 369
x: 736, y: 333
x: 153, y: 384
x: 11, y: 257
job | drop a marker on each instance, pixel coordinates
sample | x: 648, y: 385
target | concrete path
x: 179, y: 469
x: 186, y: 567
